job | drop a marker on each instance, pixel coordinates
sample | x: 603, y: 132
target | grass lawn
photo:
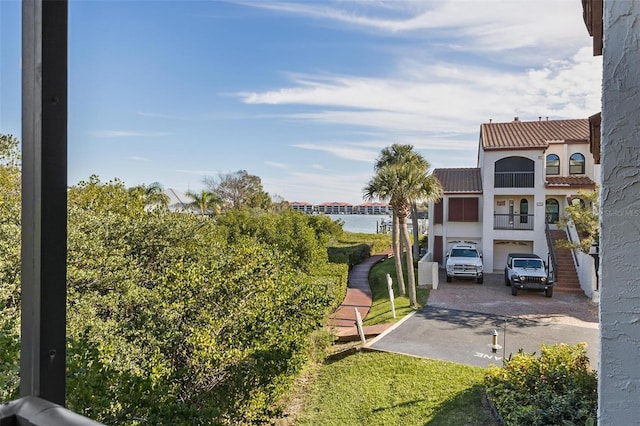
x: 375, y: 388
x: 380, y: 312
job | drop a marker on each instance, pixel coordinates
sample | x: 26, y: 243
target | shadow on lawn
x: 456, y: 410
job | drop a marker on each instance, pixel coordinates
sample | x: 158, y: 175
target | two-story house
x: 528, y: 172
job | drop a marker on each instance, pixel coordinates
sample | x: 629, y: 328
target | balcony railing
x: 514, y: 179
x: 520, y: 222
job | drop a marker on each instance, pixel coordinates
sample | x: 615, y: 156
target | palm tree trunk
x: 414, y: 223
x: 411, y: 278
x: 397, y: 254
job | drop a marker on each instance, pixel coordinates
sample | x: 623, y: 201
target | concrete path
x: 343, y: 320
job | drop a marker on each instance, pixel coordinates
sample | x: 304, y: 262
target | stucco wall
x: 619, y: 382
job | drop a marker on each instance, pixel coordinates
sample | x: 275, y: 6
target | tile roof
x: 532, y: 134
x: 581, y: 181
x: 459, y: 180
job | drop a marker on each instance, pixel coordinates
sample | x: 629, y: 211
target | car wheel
x: 514, y: 290
x: 479, y: 280
x: 448, y: 279
x: 548, y: 292
x: 507, y: 281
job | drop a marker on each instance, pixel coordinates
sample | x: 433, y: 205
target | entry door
x: 511, y: 211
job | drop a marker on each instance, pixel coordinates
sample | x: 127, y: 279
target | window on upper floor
x: 437, y: 214
x: 553, y: 164
x: 514, y: 172
x: 576, y: 164
x: 463, y: 209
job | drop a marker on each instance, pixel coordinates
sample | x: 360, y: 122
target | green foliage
x: 239, y: 190
x: 584, y: 214
x: 173, y: 318
x: 557, y: 388
x: 9, y: 266
x: 352, y: 248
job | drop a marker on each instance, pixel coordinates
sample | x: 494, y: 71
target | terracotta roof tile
x: 532, y: 134
x: 581, y: 181
x: 459, y: 180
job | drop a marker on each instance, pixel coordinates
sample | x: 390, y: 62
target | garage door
x: 502, y: 248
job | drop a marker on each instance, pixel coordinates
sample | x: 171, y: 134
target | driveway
x: 459, y: 318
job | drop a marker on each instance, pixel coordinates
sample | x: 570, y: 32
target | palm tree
x: 401, y: 179
x: 205, y: 201
x: 154, y: 195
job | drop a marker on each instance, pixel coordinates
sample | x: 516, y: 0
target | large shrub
x: 557, y: 388
x: 178, y: 319
x: 9, y: 266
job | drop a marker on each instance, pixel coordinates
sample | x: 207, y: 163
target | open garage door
x: 501, y: 248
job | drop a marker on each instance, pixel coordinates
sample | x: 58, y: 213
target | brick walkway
x: 343, y: 320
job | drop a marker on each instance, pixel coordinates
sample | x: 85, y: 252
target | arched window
x: 553, y: 164
x: 514, y: 172
x: 552, y: 210
x: 524, y: 211
x: 576, y: 164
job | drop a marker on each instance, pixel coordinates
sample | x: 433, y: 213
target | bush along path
x: 359, y: 296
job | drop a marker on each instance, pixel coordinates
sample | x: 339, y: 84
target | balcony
x: 513, y: 179
x: 518, y: 222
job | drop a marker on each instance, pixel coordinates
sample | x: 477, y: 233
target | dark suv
x: 527, y: 271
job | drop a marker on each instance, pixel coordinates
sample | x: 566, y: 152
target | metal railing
x: 513, y: 221
x: 34, y: 411
x: 553, y: 260
x: 514, y: 179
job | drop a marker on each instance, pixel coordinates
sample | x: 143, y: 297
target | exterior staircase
x: 566, y: 276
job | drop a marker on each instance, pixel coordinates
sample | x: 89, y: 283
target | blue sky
x: 303, y: 94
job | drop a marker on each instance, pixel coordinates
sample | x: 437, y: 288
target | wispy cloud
x: 472, y: 25
x: 344, y: 151
x: 142, y: 159
x: 127, y: 133
x: 444, y: 97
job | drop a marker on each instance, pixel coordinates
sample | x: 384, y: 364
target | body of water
x: 362, y: 223
x: 370, y: 223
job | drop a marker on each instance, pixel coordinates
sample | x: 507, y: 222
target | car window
x: 527, y: 263
x: 464, y: 253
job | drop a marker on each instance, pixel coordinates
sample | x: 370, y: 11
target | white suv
x: 464, y: 261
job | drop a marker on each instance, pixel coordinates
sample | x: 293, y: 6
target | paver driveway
x: 457, y: 323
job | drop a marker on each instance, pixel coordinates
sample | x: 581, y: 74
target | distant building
x: 335, y: 208
x: 302, y: 206
x: 373, y: 208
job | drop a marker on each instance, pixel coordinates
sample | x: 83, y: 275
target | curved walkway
x: 343, y: 320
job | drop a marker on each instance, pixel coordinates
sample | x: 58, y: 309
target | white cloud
x: 442, y: 97
x: 345, y: 151
x: 490, y: 25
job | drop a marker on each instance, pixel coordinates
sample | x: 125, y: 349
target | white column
x: 619, y: 384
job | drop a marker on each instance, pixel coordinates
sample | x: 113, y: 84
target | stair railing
x: 552, y: 258
x: 571, y: 226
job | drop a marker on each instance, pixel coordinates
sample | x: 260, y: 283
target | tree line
x: 172, y: 319
x: 202, y: 318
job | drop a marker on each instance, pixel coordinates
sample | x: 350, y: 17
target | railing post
x: 44, y: 199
